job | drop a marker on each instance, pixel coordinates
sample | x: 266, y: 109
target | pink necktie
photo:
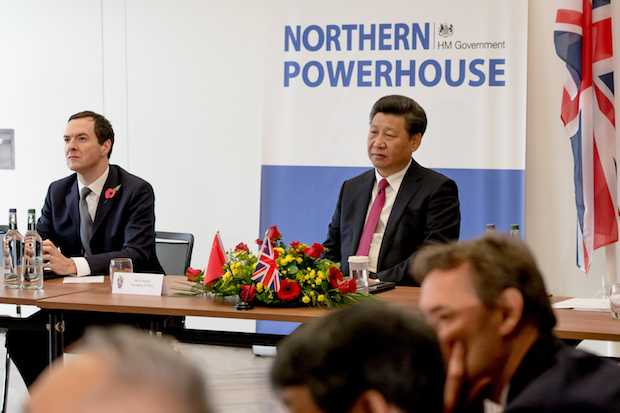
x: 373, y: 219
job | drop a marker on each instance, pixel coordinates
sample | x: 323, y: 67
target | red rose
x: 335, y: 276
x: 288, y: 290
x: 276, y: 254
x: 315, y: 251
x: 295, y: 244
x: 348, y: 286
x: 242, y: 247
x: 259, y: 242
x: 248, y: 292
x: 274, y: 233
x: 192, y: 274
x: 109, y: 193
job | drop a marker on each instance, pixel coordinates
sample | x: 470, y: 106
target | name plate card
x: 139, y: 284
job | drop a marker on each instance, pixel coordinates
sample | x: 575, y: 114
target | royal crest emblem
x: 446, y: 29
x: 119, y: 281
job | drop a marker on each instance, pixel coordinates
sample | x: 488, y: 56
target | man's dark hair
x: 363, y: 347
x: 415, y: 117
x: 496, y: 263
x: 103, y: 128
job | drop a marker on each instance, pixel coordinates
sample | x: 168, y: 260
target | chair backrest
x: 174, y: 251
x: 3, y: 230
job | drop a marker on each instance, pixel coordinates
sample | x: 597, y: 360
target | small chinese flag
x: 216, y: 260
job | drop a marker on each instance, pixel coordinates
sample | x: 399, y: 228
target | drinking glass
x: 120, y: 265
x: 614, y: 300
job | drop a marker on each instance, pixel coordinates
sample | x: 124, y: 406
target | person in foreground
x: 122, y: 206
x: 99, y: 212
x: 368, y: 357
x: 487, y: 301
x: 121, y: 370
x: 389, y: 212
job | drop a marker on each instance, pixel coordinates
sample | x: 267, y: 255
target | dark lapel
x: 72, y: 202
x: 104, y: 207
x: 362, y: 195
x: 412, y: 181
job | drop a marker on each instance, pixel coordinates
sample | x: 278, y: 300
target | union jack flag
x: 266, y: 271
x: 583, y: 41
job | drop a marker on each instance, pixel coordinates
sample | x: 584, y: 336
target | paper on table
x: 584, y: 304
x: 84, y: 280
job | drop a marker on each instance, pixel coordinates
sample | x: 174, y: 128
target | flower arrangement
x: 305, y: 278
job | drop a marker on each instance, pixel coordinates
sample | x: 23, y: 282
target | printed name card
x: 140, y: 284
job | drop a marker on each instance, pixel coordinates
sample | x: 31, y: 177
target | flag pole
x: 245, y: 305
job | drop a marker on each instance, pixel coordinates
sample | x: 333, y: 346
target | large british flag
x: 266, y: 271
x: 583, y: 41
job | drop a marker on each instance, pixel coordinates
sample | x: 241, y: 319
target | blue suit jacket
x: 124, y: 225
x: 426, y: 210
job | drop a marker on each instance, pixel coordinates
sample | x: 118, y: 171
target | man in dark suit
x: 113, y: 218
x: 487, y: 301
x: 416, y: 206
x: 120, y: 205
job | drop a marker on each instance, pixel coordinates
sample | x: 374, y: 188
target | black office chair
x: 174, y: 251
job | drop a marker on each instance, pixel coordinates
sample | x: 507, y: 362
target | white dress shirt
x: 395, y: 180
x: 92, y: 200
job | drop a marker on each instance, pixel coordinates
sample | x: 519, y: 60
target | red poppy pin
x: 111, y: 192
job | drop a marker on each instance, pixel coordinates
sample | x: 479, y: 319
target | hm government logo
x: 446, y: 29
x: 119, y: 281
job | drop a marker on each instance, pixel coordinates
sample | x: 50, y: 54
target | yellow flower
x: 289, y: 257
x: 321, y: 274
x: 235, y: 271
x: 312, y: 293
x: 299, y: 260
x: 305, y: 300
x: 319, y: 281
x: 320, y: 298
x: 259, y: 287
x: 283, y: 272
x: 237, y: 264
x: 281, y: 250
x: 254, y: 265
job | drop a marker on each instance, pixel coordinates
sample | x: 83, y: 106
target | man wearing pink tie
x: 389, y: 212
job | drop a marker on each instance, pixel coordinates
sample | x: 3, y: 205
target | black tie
x: 86, y: 224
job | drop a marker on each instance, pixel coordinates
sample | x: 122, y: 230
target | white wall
x: 181, y: 82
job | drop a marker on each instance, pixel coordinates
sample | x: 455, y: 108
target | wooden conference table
x: 58, y: 297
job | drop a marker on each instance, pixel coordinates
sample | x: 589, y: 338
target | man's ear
x: 371, y: 401
x: 510, y: 304
x: 416, y: 140
x: 105, y: 147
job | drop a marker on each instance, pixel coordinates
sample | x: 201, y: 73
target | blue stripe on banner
x: 301, y: 201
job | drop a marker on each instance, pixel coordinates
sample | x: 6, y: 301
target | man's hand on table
x: 54, y: 260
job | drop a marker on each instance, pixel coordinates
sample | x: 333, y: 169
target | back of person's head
x: 496, y: 262
x: 367, y: 346
x: 103, y: 128
x: 123, y: 370
x: 415, y: 117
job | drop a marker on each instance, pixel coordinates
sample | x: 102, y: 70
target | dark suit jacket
x: 557, y: 378
x: 124, y: 225
x: 426, y: 210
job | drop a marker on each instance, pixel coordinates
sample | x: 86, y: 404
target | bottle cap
x: 514, y: 226
x: 358, y: 259
x: 490, y: 226
x: 31, y: 211
x: 12, y: 210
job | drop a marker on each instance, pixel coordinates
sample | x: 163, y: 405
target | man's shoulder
x: 572, y: 378
x: 126, y: 178
x: 419, y: 171
x: 63, y: 183
x: 363, y: 177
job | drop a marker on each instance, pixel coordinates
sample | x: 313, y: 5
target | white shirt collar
x: 97, y: 186
x: 396, y: 178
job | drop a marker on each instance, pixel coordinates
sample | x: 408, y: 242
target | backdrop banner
x: 465, y: 63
